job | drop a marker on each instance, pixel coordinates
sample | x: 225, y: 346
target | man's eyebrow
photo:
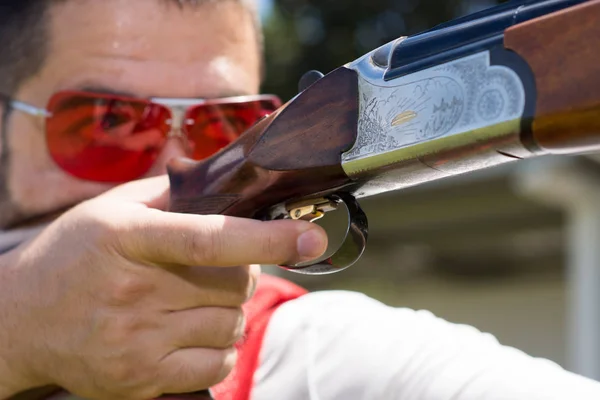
x: 107, y: 91
x: 114, y: 92
x: 233, y: 93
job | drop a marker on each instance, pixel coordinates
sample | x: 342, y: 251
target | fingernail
x: 311, y: 244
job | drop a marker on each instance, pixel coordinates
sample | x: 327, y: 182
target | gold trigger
x: 310, y: 210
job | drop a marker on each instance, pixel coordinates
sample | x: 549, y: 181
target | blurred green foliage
x: 324, y: 34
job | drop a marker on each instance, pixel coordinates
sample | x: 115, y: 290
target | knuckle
x: 194, y: 374
x: 133, y: 379
x: 233, y: 327
x: 241, y: 284
x: 217, y: 328
x: 252, y: 282
x: 240, y: 327
x: 270, y: 246
x: 124, y: 374
x: 220, y: 364
x: 228, y: 359
x: 204, y: 245
x: 128, y: 289
x: 135, y: 237
x: 119, y: 333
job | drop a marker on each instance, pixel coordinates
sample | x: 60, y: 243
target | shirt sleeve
x: 345, y: 345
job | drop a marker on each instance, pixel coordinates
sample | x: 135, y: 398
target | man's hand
x: 119, y: 299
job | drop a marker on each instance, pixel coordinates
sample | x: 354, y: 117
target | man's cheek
x: 38, y: 189
x: 37, y: 186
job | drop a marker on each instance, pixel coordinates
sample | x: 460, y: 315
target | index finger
x: 215, y: 240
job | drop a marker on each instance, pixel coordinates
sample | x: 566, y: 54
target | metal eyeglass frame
x: 178, y: 107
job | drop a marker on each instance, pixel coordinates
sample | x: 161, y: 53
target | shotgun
x: 516, y: 81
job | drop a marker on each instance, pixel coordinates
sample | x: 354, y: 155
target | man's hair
x: 23, y: 41
x: 24, y: 37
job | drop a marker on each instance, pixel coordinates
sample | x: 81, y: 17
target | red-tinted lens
x: 212, y: 126
x: 105, y: 138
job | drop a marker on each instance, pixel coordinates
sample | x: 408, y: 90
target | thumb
x: 152, y: 192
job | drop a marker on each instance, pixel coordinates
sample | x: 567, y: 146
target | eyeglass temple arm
x: 28, y: 108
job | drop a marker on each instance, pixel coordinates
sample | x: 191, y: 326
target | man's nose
x: 175, y: 147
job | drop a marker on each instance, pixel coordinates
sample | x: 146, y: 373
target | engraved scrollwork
x: 451, y: 98
x: 490, y: 104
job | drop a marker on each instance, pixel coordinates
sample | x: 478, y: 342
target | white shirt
x: 345, y: 345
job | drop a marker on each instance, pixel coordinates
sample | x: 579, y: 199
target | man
x: 102, y: 293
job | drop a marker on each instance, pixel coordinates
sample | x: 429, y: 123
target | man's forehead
x: 135, y: 48
x: 143, y: 29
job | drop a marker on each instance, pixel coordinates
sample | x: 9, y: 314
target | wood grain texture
x: 563, y: 50
x: 293, y: 153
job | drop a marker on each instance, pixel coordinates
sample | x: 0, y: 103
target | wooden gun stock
x: 293, y: 153
x: 562, y: 50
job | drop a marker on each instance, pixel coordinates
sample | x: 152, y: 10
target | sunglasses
x: 107, y: 138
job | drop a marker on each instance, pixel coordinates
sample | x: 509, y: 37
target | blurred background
x: 512, y: 250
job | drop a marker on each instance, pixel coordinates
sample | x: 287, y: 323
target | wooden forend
x: 563, y: 50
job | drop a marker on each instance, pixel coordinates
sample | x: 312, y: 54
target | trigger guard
x: 351, y: 248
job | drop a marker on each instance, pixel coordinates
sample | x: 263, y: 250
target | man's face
x: 144, y: 48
